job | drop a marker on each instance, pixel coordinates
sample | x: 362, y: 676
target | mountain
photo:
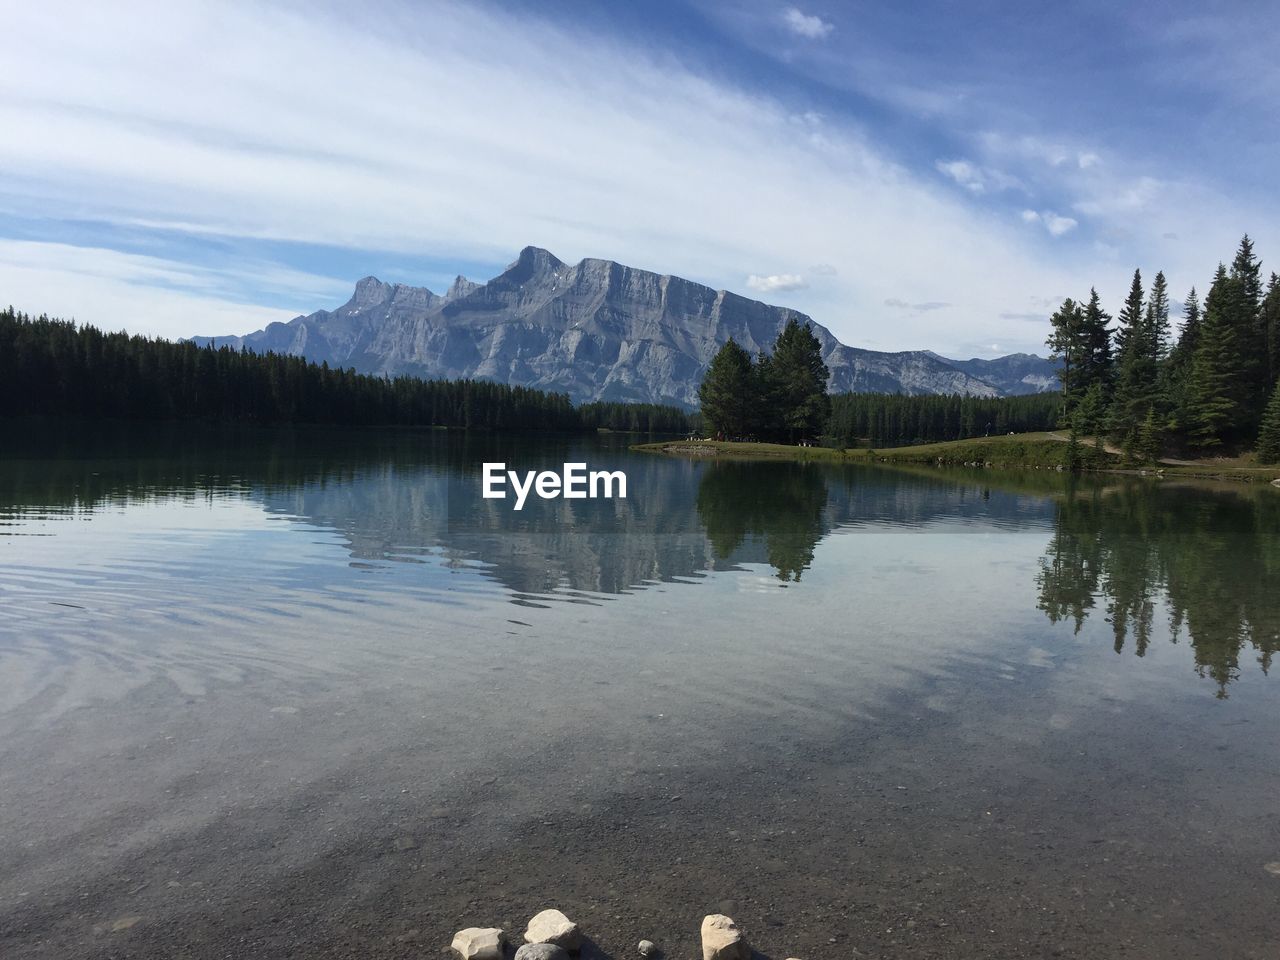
x: 1016, y: 374
x: 596, y: 330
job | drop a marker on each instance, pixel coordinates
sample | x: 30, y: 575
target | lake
x: 308, y: 694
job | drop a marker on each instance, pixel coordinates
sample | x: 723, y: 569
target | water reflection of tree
x: 1213, y: 557
x: 782, y: 505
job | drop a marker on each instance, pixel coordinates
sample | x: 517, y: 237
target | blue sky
x: 924, y: 175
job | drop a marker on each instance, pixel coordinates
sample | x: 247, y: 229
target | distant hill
x: 597, y: 330
x: 1013, y: 375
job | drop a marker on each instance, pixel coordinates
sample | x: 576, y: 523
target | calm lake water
x: 307, y: 694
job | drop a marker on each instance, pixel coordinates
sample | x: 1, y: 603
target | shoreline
x: 1037, y: 451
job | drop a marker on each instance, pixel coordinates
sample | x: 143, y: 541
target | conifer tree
x: 1096, y: 333
x: 727, y: 394
x: 1157, y: 318
x: 1148, y: 444
x: 1136, y: 366
x: 1213, y: 392
x: 1067, y: 350
x: 1244, y: 313
x: 799, y: 375
x: 1177, y: 368
x: 1269, y: 435
x: 1271, y: 326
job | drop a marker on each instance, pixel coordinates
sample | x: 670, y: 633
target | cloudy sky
x: 924, y: 175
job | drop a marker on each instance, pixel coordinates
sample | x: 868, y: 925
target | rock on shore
x: 479, y: 943
x: 552, y: 926
x: 722, y: 940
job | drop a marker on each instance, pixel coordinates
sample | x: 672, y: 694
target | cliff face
x: 597, y: 330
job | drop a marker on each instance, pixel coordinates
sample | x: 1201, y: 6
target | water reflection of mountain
x: 406, y: 496
x: 1211, y: 555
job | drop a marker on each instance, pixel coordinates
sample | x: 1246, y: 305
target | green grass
x: 1034, y: 451
x: 1021, y: 450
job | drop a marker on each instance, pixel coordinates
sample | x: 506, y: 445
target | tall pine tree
x: 1137, y: 366
x: 1269, y: 435
x: 728, y: 392
x: 1214, y: 405
x: 799, y: 377
x: 1271, y: 326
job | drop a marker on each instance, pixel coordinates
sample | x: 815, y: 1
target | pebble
x: 647, y: 948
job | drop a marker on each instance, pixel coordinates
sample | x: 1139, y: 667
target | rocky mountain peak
x: 532, y: 262
x: 371, y: 291
x: 598, y: 330
x: 460, y: 287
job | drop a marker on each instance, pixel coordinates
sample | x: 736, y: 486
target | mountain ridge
x: 597, y: 330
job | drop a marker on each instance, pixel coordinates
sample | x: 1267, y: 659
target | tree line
x: 52, y: 367
x: 897, y: 420
x: 1211, y: 388
x: 637, y: 417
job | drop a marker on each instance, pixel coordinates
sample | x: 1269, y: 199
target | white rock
x: 552, y: 926
x: 722, y: 940
x: 647, y: 948
x: 1276, y: 482
x: 541, y: 951
x: 478, y: 943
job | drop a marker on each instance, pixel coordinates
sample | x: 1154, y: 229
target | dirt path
x: 1116, y: 451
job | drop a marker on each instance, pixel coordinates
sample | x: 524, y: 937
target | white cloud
x: 449, y: 150
x: 899, y: 304
x: 806, y: 25
x: 964, y: 173
x: 1087, y: 159
x: 1056, y: 224
x: 148, y: 295
x: 977, y: 179
x: 1122, y: 198
x: 776, y: 283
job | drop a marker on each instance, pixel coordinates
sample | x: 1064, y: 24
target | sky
x: 930, y: 175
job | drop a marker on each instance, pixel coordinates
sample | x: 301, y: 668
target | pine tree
x: 1269, y: 435
x: 1271, y: 326
x: 1157, y: 319
x: 1244, y: 312
x: 1136, y: 366
x: 1213, y: 391
x: 1096, y: 335
x: 1177, y: 369
x: 728, y: 391
x: 799, y: 375
x: 1147, y: 447
x: 1067, y: 350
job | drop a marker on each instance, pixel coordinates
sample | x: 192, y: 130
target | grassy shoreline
x: 1033, y: 451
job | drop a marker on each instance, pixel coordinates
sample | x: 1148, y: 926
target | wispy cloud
x: 924, y: 307
x: 977, y: 179
x: 150, y: 295
x: 1055, y: 223
x: 776, y: 283
x: 806, y: 25
x: 589, y: 145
